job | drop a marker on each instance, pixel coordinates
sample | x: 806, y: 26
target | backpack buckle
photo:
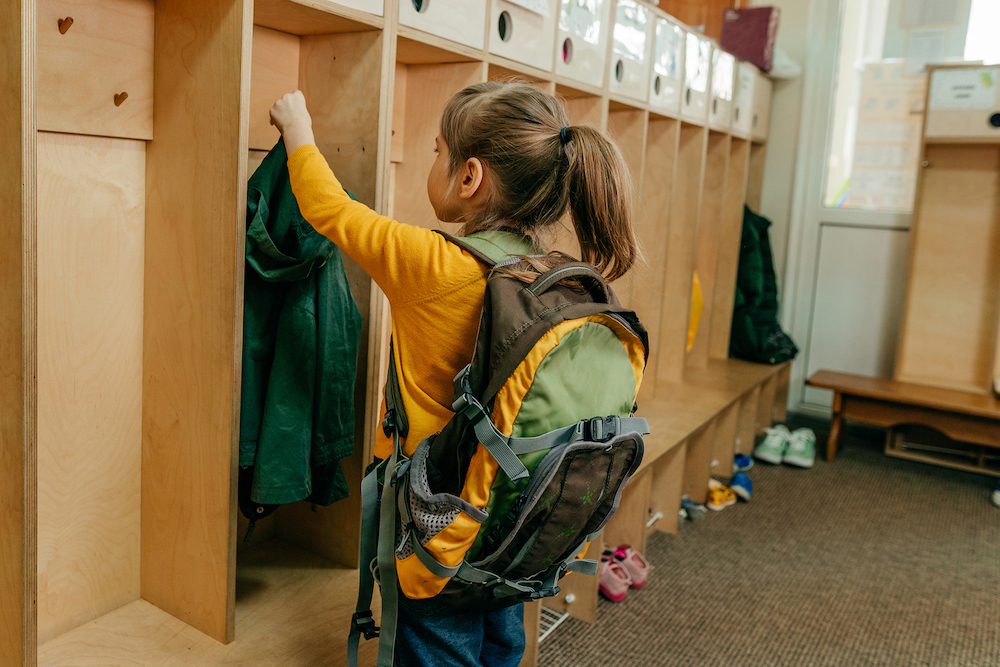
x: 539, y: 594
x: 363, y: 622
x: 602, y: 428
x: 389, y: 423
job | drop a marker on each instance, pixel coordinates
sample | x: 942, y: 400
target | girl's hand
x: 290, y: 116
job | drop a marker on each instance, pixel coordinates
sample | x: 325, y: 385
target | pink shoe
x: 634, y: 563
x: 614, y: 579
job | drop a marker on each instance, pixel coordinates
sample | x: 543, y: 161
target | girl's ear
x: 471, y: 178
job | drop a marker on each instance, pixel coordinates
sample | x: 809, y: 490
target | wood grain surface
x: 91, y: 221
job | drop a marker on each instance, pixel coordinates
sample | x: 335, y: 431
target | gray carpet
x: 866, y: 561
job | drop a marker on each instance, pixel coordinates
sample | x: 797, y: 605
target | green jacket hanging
x: 756, y: 334
x: 301, y: 329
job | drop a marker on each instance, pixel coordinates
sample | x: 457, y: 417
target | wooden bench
x: 961, y: 415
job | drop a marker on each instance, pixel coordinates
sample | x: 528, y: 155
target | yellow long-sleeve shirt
x: 435, y: 290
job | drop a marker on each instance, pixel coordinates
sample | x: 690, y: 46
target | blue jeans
x: 429, y: 634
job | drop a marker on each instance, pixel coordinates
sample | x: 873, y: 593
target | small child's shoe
x: 613, y: 579
x: 742, y: 463
x: 634, y: 563
x: 774, y: 445
x: 801, y: 450
x: 695, y: 511
x: 741, y: 486
x: 719, y: 496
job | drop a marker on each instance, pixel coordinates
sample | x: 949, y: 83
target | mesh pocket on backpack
x: 430, y: 512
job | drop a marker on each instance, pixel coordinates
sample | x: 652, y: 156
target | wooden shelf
x: 289, y: 602
x: 312, y: 17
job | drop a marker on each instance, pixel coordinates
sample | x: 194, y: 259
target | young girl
x: 509, y: 165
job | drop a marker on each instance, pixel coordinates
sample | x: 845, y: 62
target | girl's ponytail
x: 539, y: 166
x: 600, y: 201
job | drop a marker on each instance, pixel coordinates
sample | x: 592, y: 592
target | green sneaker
x: 773, y: 447
x: 801, y: 450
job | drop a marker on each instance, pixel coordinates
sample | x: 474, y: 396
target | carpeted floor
x: 866, y: 561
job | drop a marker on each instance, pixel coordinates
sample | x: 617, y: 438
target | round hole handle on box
x: 995, y: 120
x: 120, y: 98
x: 65, y: 24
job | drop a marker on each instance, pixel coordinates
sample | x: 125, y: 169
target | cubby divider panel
x: 728, y: 256
x: 684, y: 213
x: 666, y: 488
x: 652, y: 231
x: 627, y: 126
x: 193, y: 303
x: 708, y: 241
x: 698, y: 462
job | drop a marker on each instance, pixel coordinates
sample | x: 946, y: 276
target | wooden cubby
x: 120, y: 539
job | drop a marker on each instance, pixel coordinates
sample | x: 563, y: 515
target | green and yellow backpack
x: 499, y: 505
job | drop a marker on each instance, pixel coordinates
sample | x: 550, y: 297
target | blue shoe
x: 695, y: 511
x: 741, y: 486
x: 742, y: 463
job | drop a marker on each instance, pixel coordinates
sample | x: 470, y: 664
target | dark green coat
x: 756, y: 334
x: 301, y: 329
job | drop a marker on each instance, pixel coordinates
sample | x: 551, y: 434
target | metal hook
x: 119, y: 98
x: 65, y: 24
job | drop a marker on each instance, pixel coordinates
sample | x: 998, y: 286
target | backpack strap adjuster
x: 600, y: 429
x: 363, y: 622
x: 389, y: 423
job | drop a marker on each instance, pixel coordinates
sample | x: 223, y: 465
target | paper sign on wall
x: 887, y: 145
x: 537, y: 6
x: 965, y: 88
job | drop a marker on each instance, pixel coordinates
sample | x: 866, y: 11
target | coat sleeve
x: 407, y: 262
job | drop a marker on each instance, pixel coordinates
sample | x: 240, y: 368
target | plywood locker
x: 949, y: 329
x: 720, y: 106
x: 523, y: 34
x: 135, y: 373
x: 461, y: 21
x: 582, y: 40
x: 323, y: 55
x: 668, y: 67
x: 697, y: 71
x: 632, y: 42
x: 760, y: 121
x: 743, y: 99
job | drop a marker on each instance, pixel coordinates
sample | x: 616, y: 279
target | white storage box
x: 668, y: 67
x: 461, y: 21
x: 524, y: 30
x: 582, y: 42
x: 697, y: 69
x: 746, y: 75
x: 720, y: 109
x: 632, y: 42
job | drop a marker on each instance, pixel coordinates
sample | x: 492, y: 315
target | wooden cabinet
x: 121, y: 283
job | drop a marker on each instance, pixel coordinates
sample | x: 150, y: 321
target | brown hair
x: 539, y: 165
